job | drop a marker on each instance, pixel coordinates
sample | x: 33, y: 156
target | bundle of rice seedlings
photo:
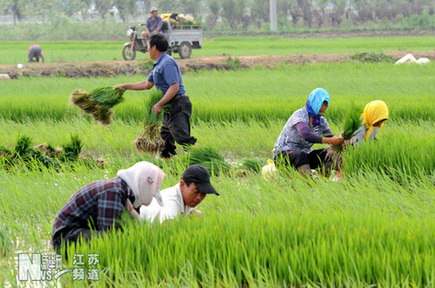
x: 98, y: 102
x: 351, y: 125
x: 23, y: 146
x: 48, y: 150
x: 254, y: 164
x: 210, y: 158
x: 149, y: 139
x: 72, y: 149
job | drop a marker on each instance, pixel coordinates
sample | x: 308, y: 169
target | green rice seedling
x: 72, y: 149
x: 5, y: 242
x: 149, y: 139
x: 98, y: 102
x: 352, y: 123
x: 23, y: 146
x: 210, y: 158
x: 81, y: 99
x: 107, y: 97
x: 253, y: 164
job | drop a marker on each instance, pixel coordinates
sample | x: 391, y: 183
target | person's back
x: 34, y: 52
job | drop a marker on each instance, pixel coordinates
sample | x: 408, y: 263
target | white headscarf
x: 144, y: 179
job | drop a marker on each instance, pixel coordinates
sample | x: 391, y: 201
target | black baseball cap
x: 199, y: 175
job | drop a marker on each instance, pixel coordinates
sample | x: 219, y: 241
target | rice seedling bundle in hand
x: 351, y: 125
x: 98, y: 102
x: 149, y: 139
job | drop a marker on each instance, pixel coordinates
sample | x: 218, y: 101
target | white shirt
x: 174, y: 206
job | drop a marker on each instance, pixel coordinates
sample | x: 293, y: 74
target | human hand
x: 157, y: 109
x: 196, y: 213
x: 336, y: 140
x: 123, y: 87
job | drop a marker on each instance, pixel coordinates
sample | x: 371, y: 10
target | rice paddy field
x: 14, y: 52
x: 374, y: 228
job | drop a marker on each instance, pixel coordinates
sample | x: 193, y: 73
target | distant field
x: 77, y: 51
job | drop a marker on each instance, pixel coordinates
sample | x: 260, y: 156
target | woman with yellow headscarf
x: 374, y: 115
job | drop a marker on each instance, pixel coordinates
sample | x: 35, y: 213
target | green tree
x: 46, y: 9
x: 126, y: 8
x: 214, y: 8
x: 70, y: 7
x: 18, y: 8
x: 168, y: 6
x: 192, y: 7
x: 103, y: 7
x: 232, y: 11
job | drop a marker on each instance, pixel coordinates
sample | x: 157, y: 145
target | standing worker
x: 154, y: 24
x: 305, y: 127
x: 98, y: 206
x: 35, y: 51
x: 166, y: 76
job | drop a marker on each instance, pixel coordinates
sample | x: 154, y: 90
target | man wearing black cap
x: 182, y: 198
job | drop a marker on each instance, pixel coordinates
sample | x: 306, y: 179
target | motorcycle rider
x: 154, y: 23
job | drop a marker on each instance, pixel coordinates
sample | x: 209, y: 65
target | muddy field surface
x: 219, y: 62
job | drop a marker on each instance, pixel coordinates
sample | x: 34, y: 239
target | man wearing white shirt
x: 182, y: 198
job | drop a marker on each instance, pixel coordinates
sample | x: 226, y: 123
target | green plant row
x: 293, y: 249
x: 215, y: 95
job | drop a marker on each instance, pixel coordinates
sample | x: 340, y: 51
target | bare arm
x: 157, y: 30
x: 170, y: 93
x: 334, y: 140
x: 144, y: 85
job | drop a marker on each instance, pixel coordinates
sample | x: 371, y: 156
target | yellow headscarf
x: 374, y: 112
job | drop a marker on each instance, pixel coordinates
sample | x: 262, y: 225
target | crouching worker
x: 304, y: 128
x: 97, y: 207
x: 181, y: 199
x: 374, y: 115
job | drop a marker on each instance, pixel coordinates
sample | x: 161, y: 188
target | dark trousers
x: 34, y: 52
x: 316, y: 158
x: 75, y: 236
x: 176, y: 125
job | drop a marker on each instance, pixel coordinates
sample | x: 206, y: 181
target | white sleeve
x: 170, y: 211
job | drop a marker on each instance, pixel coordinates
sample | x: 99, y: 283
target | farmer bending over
x: 182, y: 198
x: 35, y: 51
x: 304, y: 128
x: 374, y: 115
x: 166, y: 76
x: 97, y: 207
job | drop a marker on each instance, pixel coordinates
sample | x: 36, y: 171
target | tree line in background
x: 248, y: 15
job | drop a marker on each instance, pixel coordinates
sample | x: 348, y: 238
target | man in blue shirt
x: 154, y: 23
x: 166, y: 76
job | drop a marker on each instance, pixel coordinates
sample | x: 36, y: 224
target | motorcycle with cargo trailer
x: 182, y: 39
